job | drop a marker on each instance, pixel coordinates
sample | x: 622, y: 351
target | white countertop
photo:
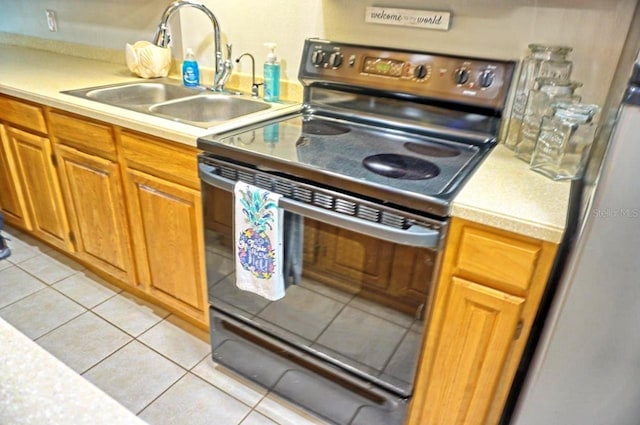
x: 506, y: 194
x: 38, y: 389
x: 40, y: 76
x: 502, y: 193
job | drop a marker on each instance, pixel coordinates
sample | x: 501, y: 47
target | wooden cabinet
x: 93, y: 193
x: 165, y: 211
x: 478, y: 331
x: 167, y: 228
x: 485, y: 303
x: 12, y: 200
x: 34, y: 200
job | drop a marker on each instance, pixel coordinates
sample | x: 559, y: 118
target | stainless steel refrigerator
x: 585, y: 365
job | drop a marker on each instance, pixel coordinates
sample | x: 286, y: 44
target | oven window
x: 360, y: 302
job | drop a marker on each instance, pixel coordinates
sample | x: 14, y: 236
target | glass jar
x: 543, y: 61
x: 547, y: 91
x: 564, y: 142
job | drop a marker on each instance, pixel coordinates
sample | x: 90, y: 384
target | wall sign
x: 408, y: 18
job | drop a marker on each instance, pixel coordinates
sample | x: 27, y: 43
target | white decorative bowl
x: 147, y: 60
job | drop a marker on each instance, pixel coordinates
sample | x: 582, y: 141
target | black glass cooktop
x: 367, y: 154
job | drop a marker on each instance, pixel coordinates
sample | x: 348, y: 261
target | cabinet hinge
x: 518, y: 330
x: 54, y: 161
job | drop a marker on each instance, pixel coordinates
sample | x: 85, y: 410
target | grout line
x: 186, y: 372
x: 20, y: 299
x: 58, y: 327
x: 109, y: 356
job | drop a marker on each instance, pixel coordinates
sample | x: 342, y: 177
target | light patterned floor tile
x: 84, y: 341
x: 229, y: 382
x: 16, y: 284
x: 130, y: 313
x: 285, y: 413
x: 5, y: 264
x: 192, y: 401
x: 135, y: 375
x: 86, y: 289
x: 47, y: 269
x: 41, y: 312
x: 21, y: 251
x: 178, y: 340
x: 65, y: 260
x: 256, y: 418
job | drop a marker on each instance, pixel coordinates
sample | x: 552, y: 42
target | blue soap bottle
x: 271, y: 75
x: 190, y: 71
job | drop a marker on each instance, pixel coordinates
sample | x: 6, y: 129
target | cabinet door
x: 167, y: 227
x: 12, y: 200
x: 40, y: 182
x: 479, y: 326
x: 93, y: 189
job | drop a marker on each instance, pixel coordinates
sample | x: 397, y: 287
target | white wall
x: 596, y: 29
x: 248, y: 24
x: 103, y: 23
x: 496, y: 28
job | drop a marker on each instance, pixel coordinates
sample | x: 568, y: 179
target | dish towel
x: 258, y: 241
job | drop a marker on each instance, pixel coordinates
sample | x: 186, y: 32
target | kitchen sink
x: 166, y: 98
x: 140, y: 93
x: 209, y: 108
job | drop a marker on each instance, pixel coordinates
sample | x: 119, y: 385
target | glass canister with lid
x: 543, y: 61
x: 539, y: 101
x: 564, y: 142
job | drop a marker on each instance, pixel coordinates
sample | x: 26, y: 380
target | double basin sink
x: 170, y: 100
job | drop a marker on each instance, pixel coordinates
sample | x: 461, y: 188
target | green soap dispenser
x: 271, y: 75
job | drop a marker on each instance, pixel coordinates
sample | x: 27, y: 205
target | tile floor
x: 152, y: 362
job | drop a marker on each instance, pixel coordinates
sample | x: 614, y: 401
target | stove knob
x: 335, y: 59
x: 317, y: 57
x: 461, y: 75
x: 420, y: 72
x: 486, y: 78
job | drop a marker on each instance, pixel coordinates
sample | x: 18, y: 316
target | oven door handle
x: 415, y: 235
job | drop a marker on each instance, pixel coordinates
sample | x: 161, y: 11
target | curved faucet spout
x: 254, y: 86
x: 161, y: 38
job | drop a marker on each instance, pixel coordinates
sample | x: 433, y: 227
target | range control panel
x: 475, y: 81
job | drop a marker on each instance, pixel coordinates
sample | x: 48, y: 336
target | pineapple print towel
x: 258, y: 241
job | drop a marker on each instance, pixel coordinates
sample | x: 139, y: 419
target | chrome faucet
x: 254, y: 86
x: 222, y: 67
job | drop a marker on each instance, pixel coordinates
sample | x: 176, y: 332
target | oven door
x: 355, y: 318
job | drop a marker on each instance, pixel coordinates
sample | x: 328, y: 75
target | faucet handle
x: 229, y: 50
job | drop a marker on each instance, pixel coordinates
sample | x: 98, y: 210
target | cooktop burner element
x: 399, y: 166
x: 323, y: 128
x: 436, y: 151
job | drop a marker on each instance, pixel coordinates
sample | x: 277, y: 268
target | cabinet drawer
x: 497, y: 260
x: 168, y: 160
x: 87, y: 136
x: 22, y: 114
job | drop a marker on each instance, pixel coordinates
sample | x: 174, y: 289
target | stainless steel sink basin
x: 168, y: 99
x: 140, y: 93
x: 209, y: 108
